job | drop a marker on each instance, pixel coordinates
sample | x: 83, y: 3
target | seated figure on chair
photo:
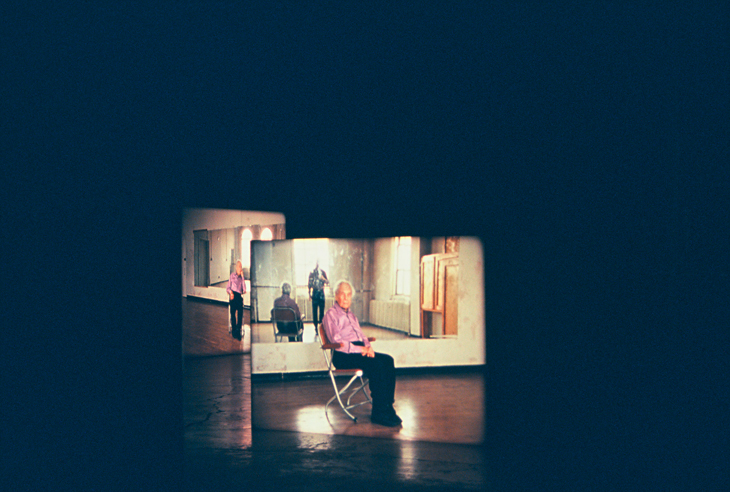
x: 341, y: 326
x: 287, y: 302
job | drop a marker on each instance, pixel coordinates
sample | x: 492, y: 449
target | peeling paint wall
x: 273, y: 264
x: 347, y: 257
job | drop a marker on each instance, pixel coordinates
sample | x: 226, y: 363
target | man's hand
x: 368, y: 352
x: 230, y: 295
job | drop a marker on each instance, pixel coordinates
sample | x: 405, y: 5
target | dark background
x: 586, y: 144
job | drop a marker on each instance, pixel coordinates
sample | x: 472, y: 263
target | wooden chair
x: 354, y: 374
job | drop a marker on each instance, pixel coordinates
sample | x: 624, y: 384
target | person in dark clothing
x: 355, y: 352
x: 236, y: 288
x: 286, y: 301
x: 317, y: 280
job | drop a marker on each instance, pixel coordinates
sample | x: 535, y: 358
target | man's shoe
x: 394, y: 415
x: 385, y: 419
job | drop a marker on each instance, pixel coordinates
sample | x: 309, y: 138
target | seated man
x: 341, y: 326
x: 284, y: 315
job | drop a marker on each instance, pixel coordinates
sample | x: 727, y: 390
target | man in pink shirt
x: 341, y: 326
x: 236, y: 288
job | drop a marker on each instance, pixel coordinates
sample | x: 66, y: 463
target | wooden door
x: 449, y: 269
x: 217, y: 257
x: 442, y: 261
x: 201, y: 272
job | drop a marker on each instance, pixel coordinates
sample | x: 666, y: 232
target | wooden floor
x: 445, y: 408
x: 434, y: 407
x: 206, y: 332
x: 217, y: 401
x: 275, y: 435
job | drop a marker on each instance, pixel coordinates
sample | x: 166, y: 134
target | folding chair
x: 286, y: 323
x: 355, y: 375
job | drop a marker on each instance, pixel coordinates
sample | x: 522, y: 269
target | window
x: 403, y: 266
x: 246, y: 237
x: 266, y: 234
x: 306, y: 254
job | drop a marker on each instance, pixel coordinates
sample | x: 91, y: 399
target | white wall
x: 383, y: 280
x: 416, y: 253
x: 271, y: 266
x: 214, y: 219
x: 467, y: 349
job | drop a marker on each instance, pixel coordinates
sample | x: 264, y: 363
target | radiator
x: 391, y: 314
x: 305, y: 306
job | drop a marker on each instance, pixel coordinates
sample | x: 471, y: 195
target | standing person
x: 355, y: 352
x: 317, y: 280
x: 236, y: 288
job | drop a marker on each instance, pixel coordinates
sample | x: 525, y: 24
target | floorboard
x: 228, y: 447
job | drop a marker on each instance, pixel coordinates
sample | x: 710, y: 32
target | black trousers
x: 380, y: 371
x: 289, y: 327
x: 236, y: 308
x: 317, y: 305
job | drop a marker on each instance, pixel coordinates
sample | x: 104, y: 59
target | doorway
x: 202, y: 258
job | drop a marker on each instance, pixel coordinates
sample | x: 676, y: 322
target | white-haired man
x: 355, y: 352
x: 293, y: 316
x: 236, y: 288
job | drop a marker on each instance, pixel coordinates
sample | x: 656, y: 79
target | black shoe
x: 384, y: 418
x: 394, y: 415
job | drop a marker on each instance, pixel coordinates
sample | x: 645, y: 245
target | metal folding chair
x: 286, y: 323
x: 356, y: 375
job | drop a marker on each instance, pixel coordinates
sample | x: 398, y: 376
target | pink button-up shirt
x: 342, y: 327
x: 236, y: 283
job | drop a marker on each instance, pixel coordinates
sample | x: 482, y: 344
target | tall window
x: 246, y: 237
x: 306, y: 254
x: 403, y: 266
x: 266, y: 234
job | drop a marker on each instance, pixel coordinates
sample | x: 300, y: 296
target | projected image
x: 216, y: 276
x: 419, y: 301
x: 386, y: 274
x: 405, y: 288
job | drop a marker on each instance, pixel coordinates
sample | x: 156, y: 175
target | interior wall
x: 384, y: 277
x: 222, y: 241
x: 382, y: 281
x: 468, y: 348
x: 367, y: 278
x: 418, y: 248
x: 347, y: 258
x: 438, y: 245
x: 273, y: 264
x: 212, y: 220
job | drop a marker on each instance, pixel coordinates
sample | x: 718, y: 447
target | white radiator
x: 391, y: 314
x: 305, y: 306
